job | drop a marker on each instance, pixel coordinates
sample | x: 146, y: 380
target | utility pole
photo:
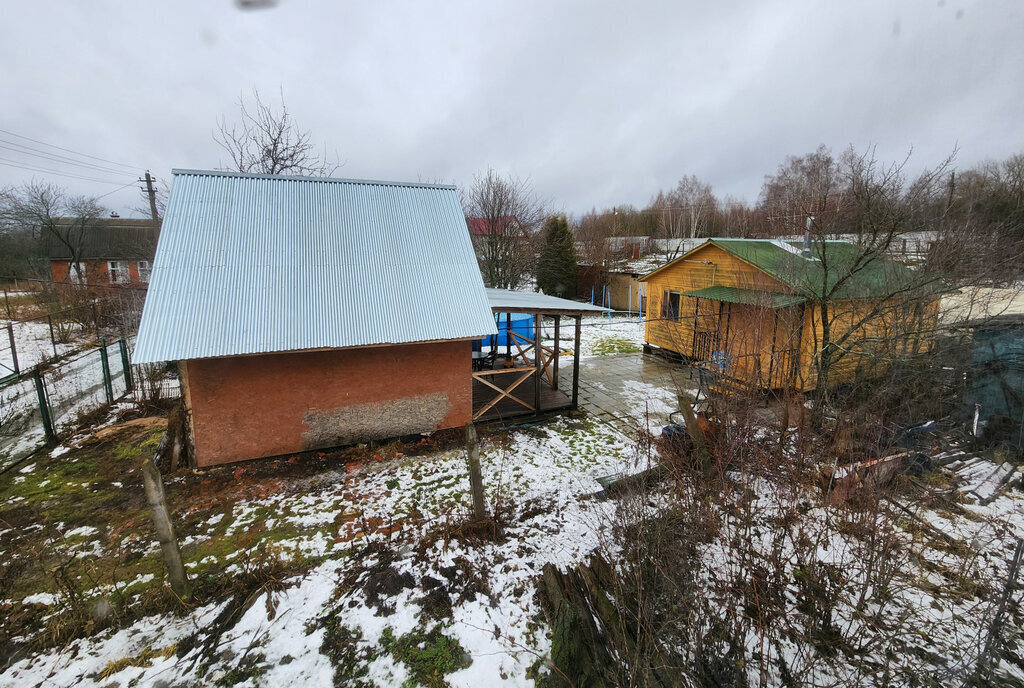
x: 152, y: 196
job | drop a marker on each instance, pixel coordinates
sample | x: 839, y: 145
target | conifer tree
x: 556, y: 267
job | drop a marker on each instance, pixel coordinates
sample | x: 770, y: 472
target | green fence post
x: 129, y: 384
x: 44, y: 405
x: 106, y: 371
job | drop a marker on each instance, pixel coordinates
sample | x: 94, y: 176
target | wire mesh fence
x: 43, y: 403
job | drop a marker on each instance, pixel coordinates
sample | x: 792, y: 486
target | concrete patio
x: 627, y: 390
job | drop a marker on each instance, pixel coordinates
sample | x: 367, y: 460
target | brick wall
x: 247, y: 407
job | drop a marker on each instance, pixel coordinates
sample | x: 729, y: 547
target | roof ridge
x: 301, y: 178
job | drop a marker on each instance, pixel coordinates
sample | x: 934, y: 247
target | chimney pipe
x: 807, y: 237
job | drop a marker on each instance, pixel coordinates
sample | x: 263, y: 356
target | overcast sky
x: 598, y: 104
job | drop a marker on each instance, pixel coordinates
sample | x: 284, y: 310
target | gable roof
x: 113, y: 237
x: 251, y: 264
x: 784, y: 261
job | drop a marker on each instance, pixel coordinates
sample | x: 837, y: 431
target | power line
x: 115, y: 190
x: 16, y: 163
x: 68, y: 150
x: 62, y: 159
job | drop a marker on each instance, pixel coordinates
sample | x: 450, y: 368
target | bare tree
x: 50, y: 215
x: 683, y: 212
x: 266, y: 140
x: 503, y: 214
x: 868, y: 310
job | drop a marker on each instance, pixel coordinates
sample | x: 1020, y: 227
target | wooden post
x: 554, y: 364
x: 53, y: 340
x: 14, y: 347
x: 508, y: 335
x: 537, y: 362
x: 576, y: 365
x: 476, y: 480
x: 7, y: 302
x: 157, y: 501
x: 129, y: 383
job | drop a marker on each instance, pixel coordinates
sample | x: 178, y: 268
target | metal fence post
x: 44, y: 405
x: 106, y: 371
x: 129, y: 384
x: 14, y: 347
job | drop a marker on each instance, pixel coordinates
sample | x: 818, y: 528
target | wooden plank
x: 538, y: 363
x: 557, y: 352
x: 576, y: 366
x: 507, y: 392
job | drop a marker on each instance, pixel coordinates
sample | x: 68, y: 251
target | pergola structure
x: 523, y: 381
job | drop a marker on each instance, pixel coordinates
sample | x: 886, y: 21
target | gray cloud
x: 597, y: 103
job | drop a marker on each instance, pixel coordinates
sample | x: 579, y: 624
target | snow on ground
x: 33, y: 343
x: 538, y: 476
x: 600, y: 335
x: 73, y: 388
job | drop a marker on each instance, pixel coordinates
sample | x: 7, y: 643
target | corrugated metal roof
x: 250, y: 264
x: 848, y: 274
x: 769, y: 299
x: 508, y: 300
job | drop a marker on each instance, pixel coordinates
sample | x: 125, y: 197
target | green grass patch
x: 429, y: 656
x: 614, y: 345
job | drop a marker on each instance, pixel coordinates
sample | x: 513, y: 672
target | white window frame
x: 145, y: 270
x: 118, y: 271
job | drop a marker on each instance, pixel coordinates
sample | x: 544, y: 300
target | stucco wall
x: 254, y: 406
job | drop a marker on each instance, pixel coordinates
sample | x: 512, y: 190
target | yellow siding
x: 624, y: 291
x: 881, y: 332
x: 774, y: 348
x: 743, y: 332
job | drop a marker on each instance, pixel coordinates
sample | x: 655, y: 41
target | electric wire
x: 60, y: 159
x: 11, y: 163
x: 73, y: 152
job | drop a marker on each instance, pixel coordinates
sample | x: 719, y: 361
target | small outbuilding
x: 309, y: 313
x: 753, y: 310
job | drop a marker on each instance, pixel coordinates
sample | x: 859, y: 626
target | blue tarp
x: 522, y: 324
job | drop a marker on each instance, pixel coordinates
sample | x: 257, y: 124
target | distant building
x: 752, y: 308
x: 482, y: 230
x: 994, y: 394
x: 111, y: 251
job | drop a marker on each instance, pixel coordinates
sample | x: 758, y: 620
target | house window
x: 118, y: 270
x: 670, y: 305
x: 76, y: 273
x: 144, y: 270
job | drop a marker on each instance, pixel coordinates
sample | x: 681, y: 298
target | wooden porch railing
x: 482, y: 377
x: 547, y: 354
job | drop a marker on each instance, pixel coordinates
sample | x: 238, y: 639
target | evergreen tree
x: 556, y: 267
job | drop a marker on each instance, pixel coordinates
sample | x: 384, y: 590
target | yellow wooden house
x: 752, y: 309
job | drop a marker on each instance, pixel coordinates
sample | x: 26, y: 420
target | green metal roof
x: 837, y: 269
x: 770, y: 299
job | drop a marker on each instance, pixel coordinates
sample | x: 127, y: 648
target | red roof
x: 482, y: 226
